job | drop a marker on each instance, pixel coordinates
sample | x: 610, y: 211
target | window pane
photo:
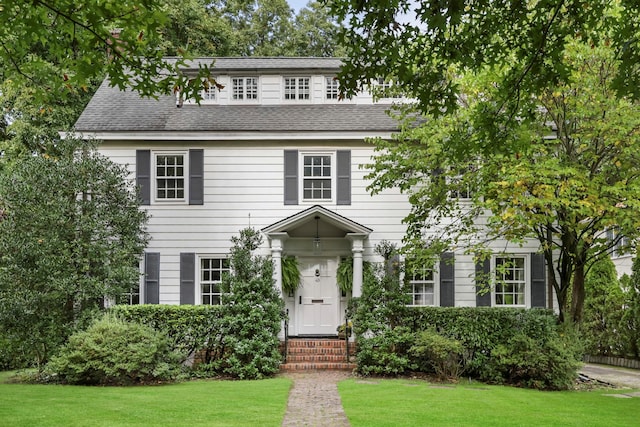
x: 211, y: 273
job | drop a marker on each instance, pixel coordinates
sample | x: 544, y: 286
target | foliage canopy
x: 565, y: 170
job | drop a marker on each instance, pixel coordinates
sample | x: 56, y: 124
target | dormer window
x: 331, y: 88
x: 297, y: 88
x: 244, y: 88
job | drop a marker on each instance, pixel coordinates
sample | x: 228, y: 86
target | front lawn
x: 219, y: 403
x: 376, y: 402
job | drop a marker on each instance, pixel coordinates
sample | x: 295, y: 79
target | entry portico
x: 319, y: 238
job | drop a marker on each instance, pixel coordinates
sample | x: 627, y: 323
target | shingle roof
x: 265, y: 64
x: 112, y: 110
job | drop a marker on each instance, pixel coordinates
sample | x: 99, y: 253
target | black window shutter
x: 196, y: 177
x: 538, y: 281
x: 447, y: 281
x: 290, y: 177
x: 483, y: 295
x: 152, y: 277
x: 187, y: 278
x: 143, y: 175
x: 343, y: 183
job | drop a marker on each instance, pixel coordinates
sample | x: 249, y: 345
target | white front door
x: 318, y: 299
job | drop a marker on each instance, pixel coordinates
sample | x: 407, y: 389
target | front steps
x: 306, y: 354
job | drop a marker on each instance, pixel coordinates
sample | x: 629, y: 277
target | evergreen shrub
x: 191, y: 329
x: 115, y: 352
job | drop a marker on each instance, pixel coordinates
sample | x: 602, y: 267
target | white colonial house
x: 277, y: 150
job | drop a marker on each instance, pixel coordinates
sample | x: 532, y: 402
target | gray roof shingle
x: 112, y: 110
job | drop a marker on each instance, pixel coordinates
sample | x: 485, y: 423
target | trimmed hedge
x: 498, y: 346
x: 190, y: 328
x: 482, y: 329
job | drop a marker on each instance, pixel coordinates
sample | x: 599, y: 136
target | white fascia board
x: 227, y: 136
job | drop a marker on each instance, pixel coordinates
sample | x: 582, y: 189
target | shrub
x: 114, y: 352
x: 190, y: 329
x: 439, y: 354
x: 551, y: 364
x: 386, y: 353
x: 603, y: 310
x: 252, y: 313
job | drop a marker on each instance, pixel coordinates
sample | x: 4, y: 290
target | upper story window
x: 244, y: 88
x: 209, y: 93
x: 511, y: 280
x: 170, y: 176
x: 382, y: 88
x: 421, y: 287
x: 332, y: 89
x: 297, y: 88
x: 211, y: 272
x: 317, y: 177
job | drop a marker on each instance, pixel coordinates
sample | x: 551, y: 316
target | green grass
x: 195, y: 403
x: 417, y: 403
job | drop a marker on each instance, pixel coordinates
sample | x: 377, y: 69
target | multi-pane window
x: 209, y: 92
x: 331, y: 88
x: 383, y: 88
x: 131, y: 297
x: 297, y: 88
x: 510, y: 281
x: 244, y: 88
x: 211, y: 271
x: 170, y: 176
x: 421, y: 287
x: 316, y: 181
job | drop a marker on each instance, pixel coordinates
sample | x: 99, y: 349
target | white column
x: 277, y: 240
x: 357, y: 248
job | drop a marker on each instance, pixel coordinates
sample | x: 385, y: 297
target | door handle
x: 300, y: 299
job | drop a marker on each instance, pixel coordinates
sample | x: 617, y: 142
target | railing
x: 286, y: 335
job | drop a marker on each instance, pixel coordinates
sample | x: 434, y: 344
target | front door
x: 318, y: 298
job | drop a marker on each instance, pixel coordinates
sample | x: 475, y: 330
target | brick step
x: 319, y: 350
x: 295, y: 358
x: 318, y: 366
x: 316, y: 343
x: 307, y: 354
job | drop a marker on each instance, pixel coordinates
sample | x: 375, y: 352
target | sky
x: 297, y: 4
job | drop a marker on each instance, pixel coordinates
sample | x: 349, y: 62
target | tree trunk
x: 577, y: 293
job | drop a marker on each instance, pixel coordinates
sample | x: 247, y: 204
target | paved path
x: 314, y: 400
x: 613, y: 375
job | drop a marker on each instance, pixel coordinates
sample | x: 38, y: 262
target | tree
x: 603, y: 310
x: 423, y: 44
x: 33, y: 128
x: 261, y: 27
x: 563, y: 184
x: 71, y: 234
x: 630, y: 325
x: 316, y: 32
x: 60, y: 46
x: 253, y: 312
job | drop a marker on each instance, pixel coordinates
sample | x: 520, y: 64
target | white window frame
x: 200, y: 282
x: 410, y: 282
x: 331, y: 89
x: 185, y: 177
x: 297, y: 91
x: 244, y: 95
x: 527, y: 280
x: 332, y: 178
x: 380, y: 85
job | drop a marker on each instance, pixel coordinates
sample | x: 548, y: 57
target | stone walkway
x: 314, y: 400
